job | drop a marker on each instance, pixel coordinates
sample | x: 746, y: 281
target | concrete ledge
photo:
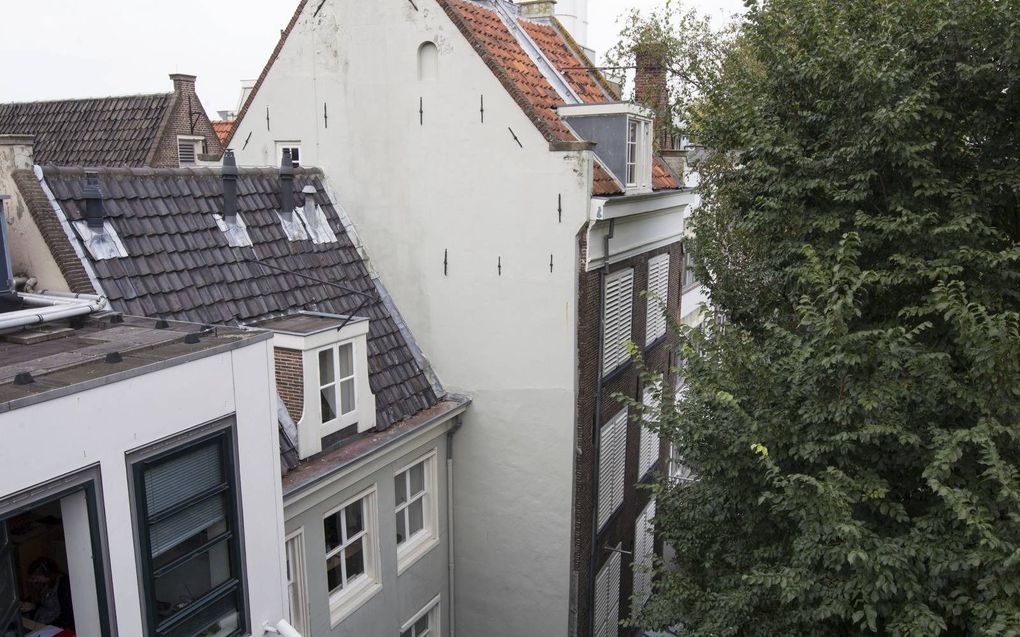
x: 571, y: 146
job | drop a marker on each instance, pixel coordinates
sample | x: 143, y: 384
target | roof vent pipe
x: 6, y: 272
x: 229, y: 176
x: 287, y: 186
x: 309, y: 195
x: 95, y: 211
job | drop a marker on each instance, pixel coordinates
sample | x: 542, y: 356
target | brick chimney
x: 183, y: 84
x: 651, y: 90
x: 537, y: 8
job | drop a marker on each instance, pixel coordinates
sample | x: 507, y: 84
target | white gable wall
x: 459, y: 185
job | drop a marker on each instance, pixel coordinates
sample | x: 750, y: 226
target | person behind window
x: 52, y: 590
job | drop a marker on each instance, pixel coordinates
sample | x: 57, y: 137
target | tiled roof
x: 662, y: 176
x: 223, y: 129
x: 603, y: 183
x: 109, y: 131
x: 487, y: 33
x: 181, y: 267
x: 572, y: 68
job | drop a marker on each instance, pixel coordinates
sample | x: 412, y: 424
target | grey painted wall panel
x: 609, y: 132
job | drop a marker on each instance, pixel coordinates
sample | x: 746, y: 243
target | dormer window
x: 322, y: 376
x: 639, y: 153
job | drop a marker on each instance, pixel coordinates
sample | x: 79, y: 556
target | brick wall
x: 624, y: 380
x: 187, y: 117
x: 290, y: 381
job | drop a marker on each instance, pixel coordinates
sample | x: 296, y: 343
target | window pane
x: 326, y: 367
x: 415, y: 513
x: 417, y: 478
x: 400, y: 487
x: 422, y: 624
x: 187, y: 582
x: 218, y: 620
x: 183, y: 477
x: 346, y: 360
x: 354, y: 515
x: 407, y: 633
x: 189, y: 545
x: 401, y: 527
x: 181, y: 527
x: 332, y: 528
x: 347, y: 396
x: 327, y: 403
x: 355, y: 557
x: 334, y: 576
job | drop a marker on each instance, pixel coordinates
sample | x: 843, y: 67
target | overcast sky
x: 53, y: 49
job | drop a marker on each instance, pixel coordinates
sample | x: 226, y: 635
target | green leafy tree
x: 853, y: 417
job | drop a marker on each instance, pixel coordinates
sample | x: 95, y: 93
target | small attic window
x: 428, y: 61
x: 295, y: 151
x: 639, y: 153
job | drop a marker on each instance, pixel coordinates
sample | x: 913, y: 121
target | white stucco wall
x: 417, y: 187
x: 99, y: 427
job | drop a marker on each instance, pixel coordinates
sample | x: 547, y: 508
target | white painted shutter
x: 612, y: 462
x: 617, y: 319
x: 658, y: 293
x: 648, y: 454
x: 644, y: 549
x: 607, y: 597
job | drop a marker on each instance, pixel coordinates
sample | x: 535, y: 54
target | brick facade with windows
x: 623, y: 380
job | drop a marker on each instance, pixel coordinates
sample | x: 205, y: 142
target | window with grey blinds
x: 187, y: 501
x: 658, y: 293
x: 612, y: 462
x: 617, y: 319
x: 607, y: 597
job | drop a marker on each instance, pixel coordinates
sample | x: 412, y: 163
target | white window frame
x: 644, y: 552
x: 363, y: 587
x: 617, y: 319
x: 612, y: 467
x: 432, y: 610
x: 657, y: 298
x: 648, y: 454
x: 283, y: 145
x: 690, y: 277
x: 638, y: 173
x: 297, y: 581
x: 196, y: 142
x: 416, y: 546
x: 607, y: 587
x: 341, y: 419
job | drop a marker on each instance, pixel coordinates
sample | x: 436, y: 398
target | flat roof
x: 67, y: 357
x: 307, y: 323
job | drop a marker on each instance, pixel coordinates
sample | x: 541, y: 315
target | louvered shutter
x: 612, y: 460
x: 644, y: 549
x: 186, y: 152
x: 617, y: 319
x: 658, y: 292
x: 607, y: 597
x: 648, y: 454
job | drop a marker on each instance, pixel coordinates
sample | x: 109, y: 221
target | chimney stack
x: 95, y: 211
x: 183, y: 84
x: 287, y: 185
x: 229, y: 176
x: 6, y: 271
x: 651, y: 89
x: 537, y: 8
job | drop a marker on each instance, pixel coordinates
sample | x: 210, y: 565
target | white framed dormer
x: 189, y: 147
x: 335, y: 390
x: 638, y: 172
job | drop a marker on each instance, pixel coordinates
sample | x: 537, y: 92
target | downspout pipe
x: 596, y: 426
x: 457, y: 424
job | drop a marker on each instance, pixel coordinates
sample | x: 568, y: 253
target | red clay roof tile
x: 223, y: 129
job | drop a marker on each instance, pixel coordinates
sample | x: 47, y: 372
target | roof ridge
x: 87, y: 99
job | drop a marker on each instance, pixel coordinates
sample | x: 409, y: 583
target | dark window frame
x: 236, y: 586
x: 87, y: 481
